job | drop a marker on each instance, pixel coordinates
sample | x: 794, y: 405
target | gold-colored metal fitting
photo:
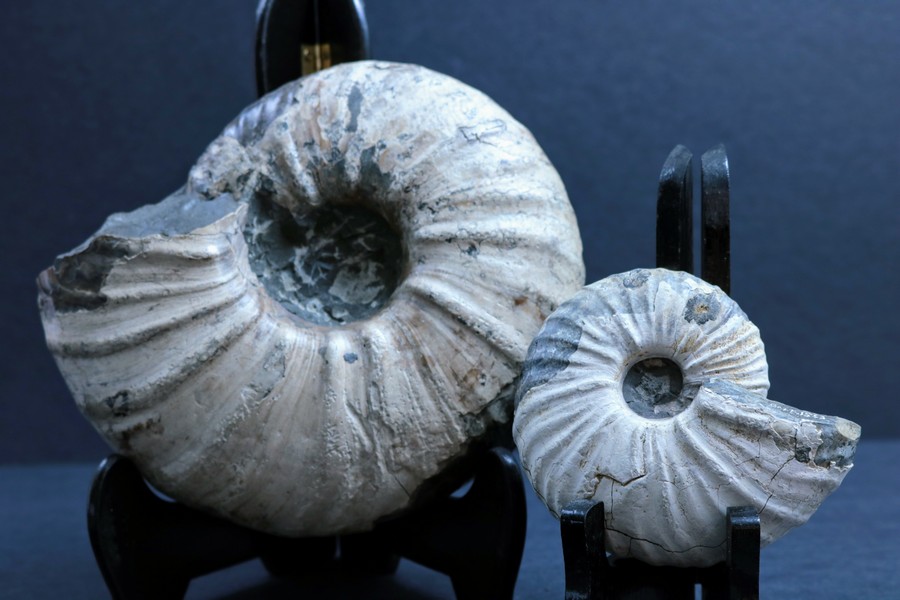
x: 315, y: 57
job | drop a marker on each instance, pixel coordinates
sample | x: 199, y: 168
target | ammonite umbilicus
x: 646, y: 391
x: 331, y: 311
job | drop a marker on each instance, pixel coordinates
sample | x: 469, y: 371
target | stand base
x: 590, y: 575
x: 149, y: 548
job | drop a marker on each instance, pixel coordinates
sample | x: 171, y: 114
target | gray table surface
x: 849, y: 549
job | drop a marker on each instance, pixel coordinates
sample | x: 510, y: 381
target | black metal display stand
x: 151, y: 548
x: 590, y: 574
x: 298, y: 37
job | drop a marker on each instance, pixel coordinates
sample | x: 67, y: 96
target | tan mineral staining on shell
x: 331, y: 311
x: 646, y: 391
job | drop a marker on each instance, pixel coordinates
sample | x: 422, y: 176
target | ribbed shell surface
x: 183, y: 361
x: 666, y: 483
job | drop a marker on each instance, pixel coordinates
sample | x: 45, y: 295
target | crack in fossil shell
x: 662, y: 547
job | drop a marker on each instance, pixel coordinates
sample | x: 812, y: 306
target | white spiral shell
x: 668, y: 465
x: 184, y: 334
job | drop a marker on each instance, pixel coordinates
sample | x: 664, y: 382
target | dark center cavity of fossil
x: 330, y: 266
x: 654, y: 388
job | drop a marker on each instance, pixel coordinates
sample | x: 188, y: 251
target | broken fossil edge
x: 646, y: 391
x: 236, y: 342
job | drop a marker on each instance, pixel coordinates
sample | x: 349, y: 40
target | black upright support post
x: 675, y: 210
x: 743, y: 554
x: 715, y: 235
x: 584, y: 549
x: 674, y: 213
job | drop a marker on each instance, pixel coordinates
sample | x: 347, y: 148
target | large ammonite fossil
x: 331, y: 311
x: 646, y: 391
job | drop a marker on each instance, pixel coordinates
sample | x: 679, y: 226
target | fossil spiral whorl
x: 646, y: 391
x: 331, y: 311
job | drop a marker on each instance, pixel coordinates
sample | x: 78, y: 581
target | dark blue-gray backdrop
x: 104, y: 105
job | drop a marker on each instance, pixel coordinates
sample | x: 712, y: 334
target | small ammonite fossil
x: 646, y: 391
